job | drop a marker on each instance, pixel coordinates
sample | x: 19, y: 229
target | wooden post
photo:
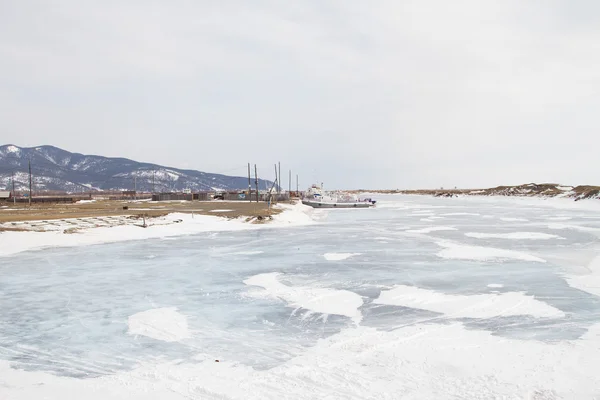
x: 256, y: 181
x: 13, y: 187
x: 30, y: 183
x: 290, y: 184
x: 276, y: 183
x: 249, y: 185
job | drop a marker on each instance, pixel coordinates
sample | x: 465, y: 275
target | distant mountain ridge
x: 60, y: 170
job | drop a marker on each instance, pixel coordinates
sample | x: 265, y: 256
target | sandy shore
x: 107, y: 208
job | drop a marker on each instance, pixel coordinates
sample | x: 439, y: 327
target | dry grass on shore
x: 107, y: 208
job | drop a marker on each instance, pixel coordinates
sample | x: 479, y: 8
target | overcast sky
x: 356, y: 94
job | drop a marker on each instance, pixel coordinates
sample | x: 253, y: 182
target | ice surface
x: 590, y: 280
x: 160, y: 324
x: 100, y: 314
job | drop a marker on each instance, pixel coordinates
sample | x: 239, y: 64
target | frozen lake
x: 417, y: 298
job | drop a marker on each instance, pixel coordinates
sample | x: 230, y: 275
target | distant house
x: 172, y: 196
x: 128, y: 193
x: 4, y: 195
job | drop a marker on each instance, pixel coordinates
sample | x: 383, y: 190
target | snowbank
x: 174, y: 224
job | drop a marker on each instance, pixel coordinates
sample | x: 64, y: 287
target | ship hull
x: 323, y: 204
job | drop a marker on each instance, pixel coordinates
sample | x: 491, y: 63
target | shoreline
x: 65, y: 234
x: 10, y: 213
x: 543, y: 190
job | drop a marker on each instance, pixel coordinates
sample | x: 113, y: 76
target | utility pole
x: 30, y: 182
x: 13, y: 187
x: 290, y: 184
x: 249, y: 185
x: 256, y: 181
x: 153, y: 173
x: 297, y: 187
x: 135, y: 187
x: 276, y: 183
x: 279, y: 179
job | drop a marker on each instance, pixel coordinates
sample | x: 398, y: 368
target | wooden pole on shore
x: 13, y: 187
x: 276, y: 183
x: 30, y: 183
x: 297, y: 187
x: 290, y: 184
x: 256, y: 181
x: 279, y: 179
x: 249, y: 185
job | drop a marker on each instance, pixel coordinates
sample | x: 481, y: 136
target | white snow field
x: 493, y: 300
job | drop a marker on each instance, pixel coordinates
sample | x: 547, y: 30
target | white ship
x: 316, y: 197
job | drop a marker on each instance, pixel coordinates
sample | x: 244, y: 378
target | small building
x: 172, y: 196
x: 128, y: 194
x: 4, y: 195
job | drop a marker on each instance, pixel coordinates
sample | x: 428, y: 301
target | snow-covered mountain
x: 57, y: 169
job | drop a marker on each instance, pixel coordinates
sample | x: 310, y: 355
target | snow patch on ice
x: 514, y: 235
x: 339, y: 256
x: 473, y: 306
x: 495, y: 285
x: 220, y: 211
x: 511, y: 219
x: 319, y: 300
x: 432, y: 229
x: 590, y: 281
x: 164, y: 324
x: 459, y: 213
x: 249, y: 252
x: 460, y: 251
